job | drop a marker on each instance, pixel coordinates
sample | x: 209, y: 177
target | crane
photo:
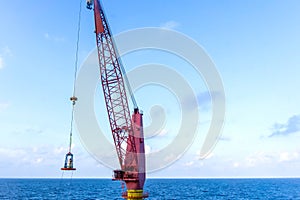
x: 127, y: 129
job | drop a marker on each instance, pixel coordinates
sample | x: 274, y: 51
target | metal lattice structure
x: 113, y: 86
x: 127, y: 129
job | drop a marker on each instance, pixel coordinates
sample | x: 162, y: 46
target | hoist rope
x: 77, y: 46
x: 124, y: 74
x: 128, y: 84
x: 71, y: 129
x: 73, y: 98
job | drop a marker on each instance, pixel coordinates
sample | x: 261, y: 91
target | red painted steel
x: 138, y: 137
x: 113, y: 85
x: 68, y: 169
x: 127, y: 132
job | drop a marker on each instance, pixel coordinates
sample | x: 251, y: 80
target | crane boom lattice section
x: 113, y: 88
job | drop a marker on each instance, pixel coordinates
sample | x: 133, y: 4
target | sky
x: 255, y: 46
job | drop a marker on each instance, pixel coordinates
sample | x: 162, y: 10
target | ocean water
x: 158, y: 189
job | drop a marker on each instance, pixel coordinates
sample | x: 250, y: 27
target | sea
x: 158, y: 189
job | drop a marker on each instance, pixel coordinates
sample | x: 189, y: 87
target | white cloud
x: 147, y: 149
x: 188, y: 164
x: 38, y: 160
x: 199, y: 157
x: 170, y: 25
x: 236, y: 164
x: 3, y: 53
x: 259, y: 158
x: 290, y: 127
x: 170, y: 157
x: 288, y: 156
x: 262, y: 158
x: 59, y: 150
x: 1, y: 62
x: 163, y: 132
x: 28, y: 156
x: 6, y: 51
x: 29, y: 130
x: 3, y: 106
x: 47, y: 36
x: 12, y: 153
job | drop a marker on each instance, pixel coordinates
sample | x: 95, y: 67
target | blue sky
x: 255, y: 46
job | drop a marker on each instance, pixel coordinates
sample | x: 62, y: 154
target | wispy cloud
x: 29, y: 131
x: 158, y: 122
x: 1, y: 62
x: 200, y: 157
x: 170, y: 25
x: 224, y: 138
x: 59, y: 150
x: 4, y: 52
x: 12, y: 153
x: 25, y: 155
x: 288, y: 156
x: 259, y: 158
x: 47, y: 36
x: 3, y: 106
x: 290, y: 127
x: 204, y: 100
x: 147, y: 149
x: 189, y: 164
x: 33, y: 154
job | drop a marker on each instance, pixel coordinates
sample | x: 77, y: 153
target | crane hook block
x: 89, y: 4
x: 73, y: 99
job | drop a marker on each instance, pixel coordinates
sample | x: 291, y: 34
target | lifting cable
x: 74, y: 98
x: 124, y: 74
x: 128, y: 84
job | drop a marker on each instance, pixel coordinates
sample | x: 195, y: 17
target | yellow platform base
x: 134, y: 195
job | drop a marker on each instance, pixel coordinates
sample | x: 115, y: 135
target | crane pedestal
x: 134, y: 195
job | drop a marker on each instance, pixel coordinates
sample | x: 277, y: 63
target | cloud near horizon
x: 288, y: 128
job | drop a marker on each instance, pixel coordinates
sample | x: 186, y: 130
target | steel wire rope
x: 75, y: 74
x: 73, y: 98
x: 124, y: 74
